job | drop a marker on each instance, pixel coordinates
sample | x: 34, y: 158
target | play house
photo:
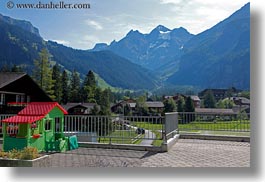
x: 39, y: 125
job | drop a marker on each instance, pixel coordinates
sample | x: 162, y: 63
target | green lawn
x: 235, y: 128
x: 121, y: 136
x: 232, y: 126
x: 148, y: 126
x: 155, y: 128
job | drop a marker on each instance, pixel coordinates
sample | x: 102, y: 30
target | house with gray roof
x: 79, y: 108
x: 18, y: 89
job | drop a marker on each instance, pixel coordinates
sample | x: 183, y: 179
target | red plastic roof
x: 40, y: 109
x: 22, y: 119
x: 34, y: 112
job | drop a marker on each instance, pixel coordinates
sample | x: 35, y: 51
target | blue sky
x: 107, y: 20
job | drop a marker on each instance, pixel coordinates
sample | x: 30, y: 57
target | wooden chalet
x: 18, y: 89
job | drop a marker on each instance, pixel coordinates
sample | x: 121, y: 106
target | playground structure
x: 39, y: 125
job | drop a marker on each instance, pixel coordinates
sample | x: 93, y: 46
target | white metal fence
x: 115, y: 129
x: 189, y: 121
x: 145, y: 130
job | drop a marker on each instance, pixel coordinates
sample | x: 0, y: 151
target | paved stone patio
x: 185, y: 153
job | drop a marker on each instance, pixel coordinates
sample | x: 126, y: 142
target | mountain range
x: 218, y: 57
x: 20, y: 44
x: 150, y: 50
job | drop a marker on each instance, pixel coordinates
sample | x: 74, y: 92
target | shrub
x: 28, y: 153
x: 3, y: 154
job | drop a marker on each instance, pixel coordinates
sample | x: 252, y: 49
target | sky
x: 108, y: 20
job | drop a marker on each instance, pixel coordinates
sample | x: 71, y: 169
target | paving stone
x: 185, y: 153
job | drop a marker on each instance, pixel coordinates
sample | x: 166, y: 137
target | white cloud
x: 171, y: 1
x: 94, y: 24
x: 64, y: 42
x: 87, y: 41
x: 107, y: 21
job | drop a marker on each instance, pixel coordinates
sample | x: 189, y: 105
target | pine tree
x: 89, y: 87
x: 170, y: 105
x: 189, y: 106
x: 209, y: 100
x: 141, y: 107
x: 75, y: 95
x: 181, y: 104
x: 16, y: 68
x: 65, y: 87
x: 42, y: 73
x: 56, y: 76
x: 104, y: 103
x: 95, y: 110
x: 97, y: 95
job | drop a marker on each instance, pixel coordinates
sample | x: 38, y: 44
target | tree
x: 141, y: 107
x: 95, y: 110
x: 56, y: 76
x: 127, y: 110
x: 245, y: 94
x: 89, y: 87
x: 189, y: 106
x: 104, y: 103
x: 16, y: 68
x: 209, y: 100
x: 42, y: 73
x: 65, y: 87
x: 225, y: 104
x: 75, y: 95
x: 97, y: 95
x: 181, y: 104
x: 170, y: 105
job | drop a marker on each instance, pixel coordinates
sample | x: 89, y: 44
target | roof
x: 155, y: 104
x: 9, y: 77
x: 214, y: 111
x: 40, y: 108
x: 34, y: 112
x: 84, y: 105
x: 241, y: 100
x: 13, y: 83
x: 195, y: 98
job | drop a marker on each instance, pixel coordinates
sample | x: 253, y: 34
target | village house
x: 220, y: 93
x: 242, y: 104
x: 119, y: 107
x: 79, y: 108
x: 153, y: 106
x: 195, y: 99
x: 18, y: 89
x: 210, y: 114
x: 156, y: 107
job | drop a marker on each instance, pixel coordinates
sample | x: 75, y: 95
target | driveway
x: 185, y: 153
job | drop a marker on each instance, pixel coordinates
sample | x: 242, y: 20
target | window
x: 22, y: 98
x: 57, y: 124
x: 2, y: 99
x: 28, y: 99
x: 17, y: 98
x: 48, y: 125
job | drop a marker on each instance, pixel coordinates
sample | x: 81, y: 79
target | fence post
x: 170, y: 131
x: 171, y: 124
